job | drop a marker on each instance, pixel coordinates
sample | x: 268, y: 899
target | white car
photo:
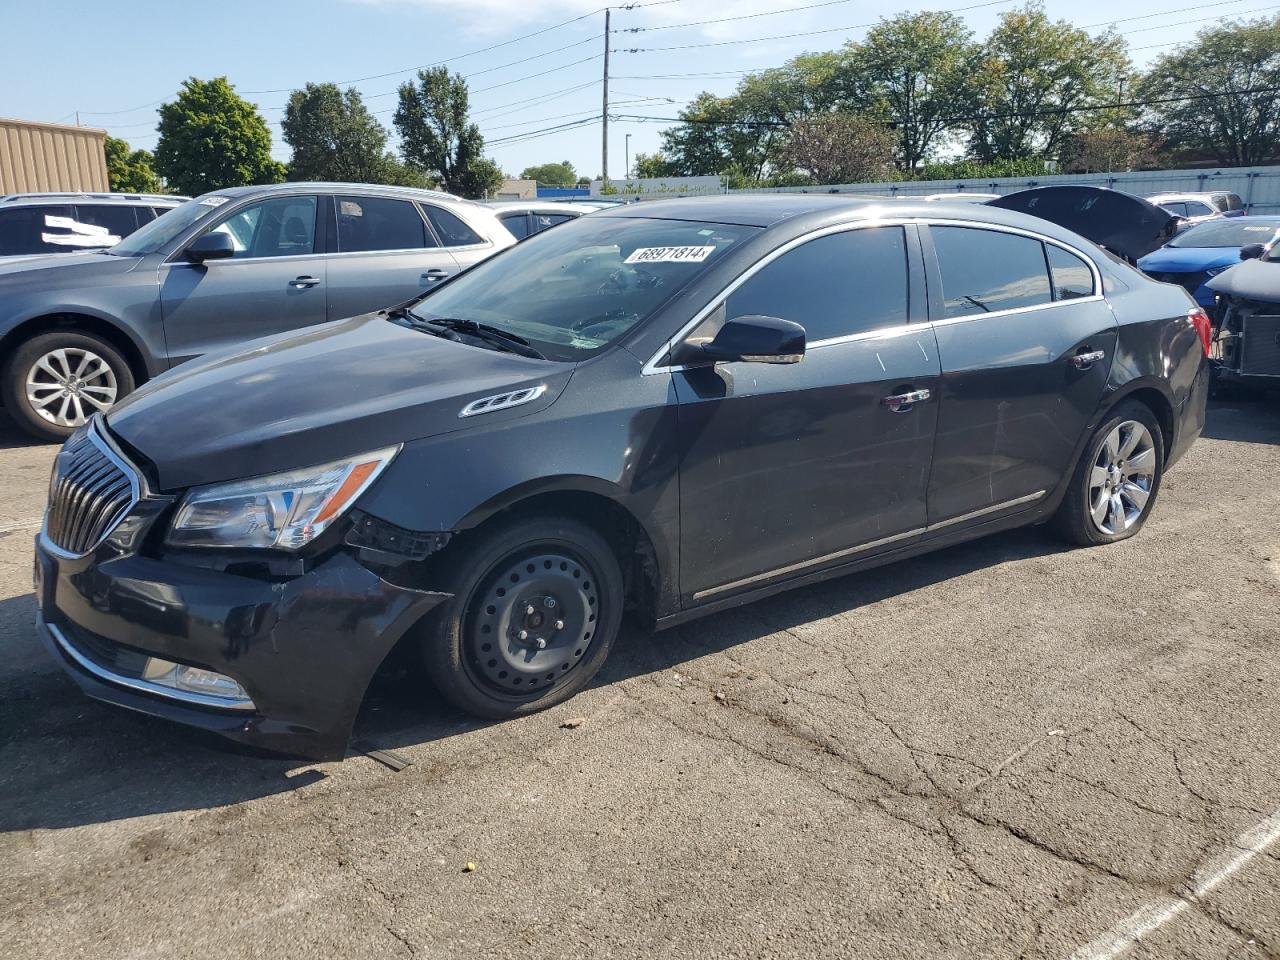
x: 1196, y: 208
x: 524, y: 218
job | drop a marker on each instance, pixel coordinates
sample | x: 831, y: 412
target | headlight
x: 283, y: 510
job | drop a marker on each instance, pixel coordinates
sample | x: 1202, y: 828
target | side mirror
x: 1252, y: 251
x: 214, y: 245
x: 757, y: 340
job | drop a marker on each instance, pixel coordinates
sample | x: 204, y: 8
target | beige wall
x: 517, y: 190
x: 38, y: 157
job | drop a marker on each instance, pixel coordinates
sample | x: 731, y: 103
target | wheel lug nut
x: 559, y: 624
x: 541, y: 643
x: 549, y: 603
x: 529, y: 609
x: 522, y: 635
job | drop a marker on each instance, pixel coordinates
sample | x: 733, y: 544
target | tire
x: 1114, y: 487
x: 526, y: 576
x: 98, y: 374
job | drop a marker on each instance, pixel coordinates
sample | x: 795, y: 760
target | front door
x: 273, y: 283
x: 1026, y: 342
x: 788, y: 468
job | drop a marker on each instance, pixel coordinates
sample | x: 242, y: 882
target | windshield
x: 1227, y: 233
x: 573, y: 290
x: 164, y: 228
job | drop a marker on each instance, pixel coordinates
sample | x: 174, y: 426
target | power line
x: 743, y: 16
x: 1183, y: 23
x: 1162, y: 13
x: 534, y: 134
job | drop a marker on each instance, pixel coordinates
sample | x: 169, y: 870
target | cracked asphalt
x: 1000, y: 750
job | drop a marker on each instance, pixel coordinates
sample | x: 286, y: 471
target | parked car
x: 78, y: 332
x: 1194, y: 256
x: 675, y: 407
x: 960, y: 196
x: 1196, y: 208
x: 1126, y: 226
x: 524, y: 218
x: 42, y: 223
x: 1246, y: 341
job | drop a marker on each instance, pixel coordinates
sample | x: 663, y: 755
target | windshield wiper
x: 502, y: 339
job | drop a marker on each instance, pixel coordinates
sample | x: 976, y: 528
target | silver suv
x: 40, y: 223
x: 78, y: 332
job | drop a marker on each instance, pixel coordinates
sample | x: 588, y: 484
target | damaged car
x: 1246, y: 339
x: 670, y: 408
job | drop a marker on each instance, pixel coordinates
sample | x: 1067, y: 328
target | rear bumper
x: 1190, y: 416
x: 304, y: 650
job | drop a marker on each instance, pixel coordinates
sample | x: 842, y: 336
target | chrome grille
x: 91, y: 491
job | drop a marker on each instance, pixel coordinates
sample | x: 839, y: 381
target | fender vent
x: 503, y: 401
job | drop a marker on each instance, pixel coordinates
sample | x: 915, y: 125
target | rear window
x: 453, y: 232
x: 380, y: 223
x: 984, y: 271
x: 33, y: 230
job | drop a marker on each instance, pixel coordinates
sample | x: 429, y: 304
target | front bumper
x: 303, y: 649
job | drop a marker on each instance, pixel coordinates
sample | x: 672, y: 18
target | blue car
x: 1205, y: 250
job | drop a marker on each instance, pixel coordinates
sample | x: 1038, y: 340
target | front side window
x: 573, y: 290
x: 279, y: 227
x: 834, y: 286
x: 984, y: 271
x: 1072, y: 277
x: 453, y: 232
x: 380, y: 223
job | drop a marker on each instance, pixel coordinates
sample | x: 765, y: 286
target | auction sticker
x: 669, y: 254
x: 214, y: 201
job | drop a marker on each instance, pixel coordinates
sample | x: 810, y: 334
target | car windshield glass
x: 1226, y: 233
x: 571, y: 291
x: 160, y: 231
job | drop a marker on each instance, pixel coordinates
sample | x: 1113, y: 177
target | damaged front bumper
x: 302, y: 649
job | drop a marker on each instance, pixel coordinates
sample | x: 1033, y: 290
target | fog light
x: 208, y: 683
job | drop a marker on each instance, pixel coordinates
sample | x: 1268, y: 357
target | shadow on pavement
x: 1245, y: 416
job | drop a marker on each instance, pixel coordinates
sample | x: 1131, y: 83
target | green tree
x: 1240, y: 128
x: 438, y: 137
x: 334, y: 137
x: 840, y: 148
x: 913, y: 70
x: 130, y: 171
x: 212, y: 138
x: 1105, y: 149
x: 653, y: 165
x: 551, y: 174
x: 1031, y: 77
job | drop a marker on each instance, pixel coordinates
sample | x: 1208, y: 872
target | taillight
x: 1204, y: 327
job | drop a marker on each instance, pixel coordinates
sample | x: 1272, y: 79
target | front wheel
x: 536, y: 607
x: 54, y: 382
x: 1115, y: 484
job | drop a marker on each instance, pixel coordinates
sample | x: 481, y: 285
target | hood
x: 1249, y: 280
x: 301, y: 399
x: 70, y: 269
x: 1189, y: 259
x: 1124, y: 224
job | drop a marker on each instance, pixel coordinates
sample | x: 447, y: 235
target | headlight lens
x: 283, y: 510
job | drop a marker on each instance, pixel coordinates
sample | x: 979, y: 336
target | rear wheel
x: 1117, y: 480
x: 54, y: 382
x: 536, y: 608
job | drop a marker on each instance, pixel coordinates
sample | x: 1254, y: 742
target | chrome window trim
x: 652, y: 365
x: 145, y: 686
x: 801, y: 565
x: 136, y: 492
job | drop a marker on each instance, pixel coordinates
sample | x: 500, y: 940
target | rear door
x: 274, y: 282
x: 466, y: 246
x: 788, y: 468
x: 384, y: 254
x: 1026, y: 342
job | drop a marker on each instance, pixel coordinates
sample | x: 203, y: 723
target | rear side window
x: 1072, y: 277
x: 118, y: 220
x: 1197, y: 209
x: 453, y: 232
x: 1234, y: 202
x: 518, y: 224
x: 834, y: 286
x: 380, y: 223
x: 1175, y: 207
x: 544, y: 221
x: 984, y: 271
x: 33, y: 230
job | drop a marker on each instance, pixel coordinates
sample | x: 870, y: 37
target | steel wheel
x: 68, y: 385
x: 531, y: 623
x: 1122, y: 478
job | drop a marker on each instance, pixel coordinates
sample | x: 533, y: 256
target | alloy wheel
x: 69, y: 385
x: 532, y: 625
x: 1122, y: 478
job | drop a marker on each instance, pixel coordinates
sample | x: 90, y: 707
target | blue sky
x: 112, y: 62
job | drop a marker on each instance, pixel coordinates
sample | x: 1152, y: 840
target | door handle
x: 300, y: 283
x: 902, y: 402
x: 435, y: 273
x: 1083, y: 361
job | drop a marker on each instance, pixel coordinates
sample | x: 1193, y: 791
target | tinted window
x: 833, y: 286
x: 453, y: 232
x: 280, y: 227
x: 379, y: 223
x: 1234, y: 202
x: 543, y: 221
x: 1220, y: 202
x: 32, y: 230
x: 1071, y: 276
x: 518, y: 224
x: 1176, y: 208
x: 1235, y: 232
x: 118, y: 220
x: 984, y: 271
x: 1197, y: 209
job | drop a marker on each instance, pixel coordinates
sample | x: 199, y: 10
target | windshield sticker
x: 213, y: 201
x: 669, y: 254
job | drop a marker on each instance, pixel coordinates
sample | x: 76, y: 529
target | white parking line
x: 1209, y: 876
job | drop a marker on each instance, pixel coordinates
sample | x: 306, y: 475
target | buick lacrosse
x: 669, y: 408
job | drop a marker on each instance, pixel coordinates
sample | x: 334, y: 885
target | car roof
x: 312, y: 186
x: 1157, y: 197
x: 534, y: 206
x: 167, y: 199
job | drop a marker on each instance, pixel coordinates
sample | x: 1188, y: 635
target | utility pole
x: 604, y: 113
x: 626, y: 174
